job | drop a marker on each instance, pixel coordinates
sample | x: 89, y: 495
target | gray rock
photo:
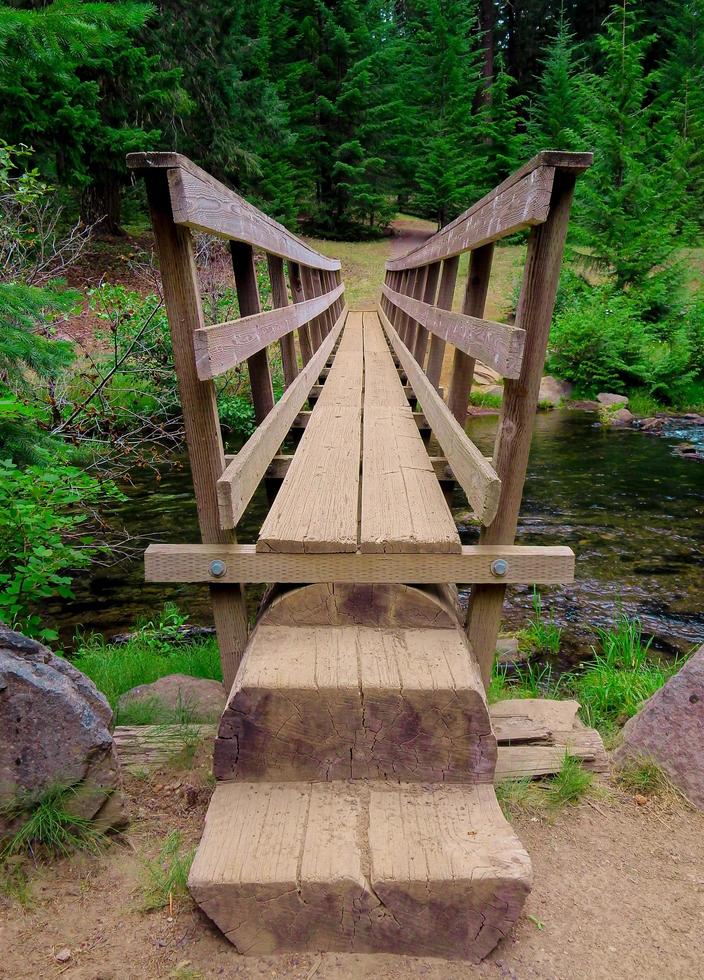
x: 204, y: 700
x: 669, y: 730
x: 54, y: 732
x: 507, y: 651
x: 584, y: 405
x: 621, y: 417
x: 607, y: 399
x: 553, y: 390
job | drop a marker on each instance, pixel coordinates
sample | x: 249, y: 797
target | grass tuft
x: 165, y: 879
x: 541, y: 797
x: 541, y: 635
x: 569, y: 785
x: 50, y: 825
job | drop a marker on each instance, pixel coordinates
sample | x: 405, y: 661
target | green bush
x: 43, y: 516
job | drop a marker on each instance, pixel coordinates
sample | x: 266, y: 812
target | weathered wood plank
x: 526, y: 192
x: 243, y: 563
x: 278, y: 467
x: 497, y: 344
x: 199, y: 201
x: 243, y: 475
x: 225, y: 345
x: 316, y: 509
x: 396, y: 468
x: 476, y: 477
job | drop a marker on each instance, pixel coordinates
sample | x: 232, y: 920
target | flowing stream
x: 632, y: 510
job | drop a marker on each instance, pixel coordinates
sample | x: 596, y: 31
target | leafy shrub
x: 43, y: 513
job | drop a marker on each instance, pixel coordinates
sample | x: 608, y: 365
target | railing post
x: 309, y: 291
x: 430, y: 286
x: 474, y: 302
x: 279, y: 298
x: 200, y: 415
x: 248, y: 297
x: 294, y: 278
x: 520, y: 401
x: 446, y: 292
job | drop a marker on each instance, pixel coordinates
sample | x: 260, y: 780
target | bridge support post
x: 520, y: 401
x: 200, y: 415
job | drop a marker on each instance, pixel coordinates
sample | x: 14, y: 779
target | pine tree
x: 555, y: 110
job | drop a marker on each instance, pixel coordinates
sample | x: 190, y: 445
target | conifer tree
x: 555, y: 110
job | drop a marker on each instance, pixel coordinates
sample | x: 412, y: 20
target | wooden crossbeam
x: 225, y: 345
x: 199, y: 201
x: 242, y: 563
x: 278, y: 467
x: 243, y: 475
x: 498, y: 345
x: 475, y: 475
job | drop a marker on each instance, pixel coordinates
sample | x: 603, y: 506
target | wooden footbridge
x: 355, y: 761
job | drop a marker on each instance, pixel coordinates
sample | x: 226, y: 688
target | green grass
x: 644, y: 776
x: 165, y: 879
x: 15, y: 886
x: 50, y: 826
x: 541, y: 635
x: 154, y: 651
x: 484, y: 399
x: 643, y: 404
x: 548, y: 795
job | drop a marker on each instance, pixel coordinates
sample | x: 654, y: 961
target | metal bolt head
x: 218, y: 568
x: 499, y: 567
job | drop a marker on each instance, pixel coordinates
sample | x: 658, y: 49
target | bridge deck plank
x: 403, y: 507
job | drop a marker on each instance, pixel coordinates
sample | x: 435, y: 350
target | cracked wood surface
x: 360, y: 867
x: 316, y: 508
x: 403, y: 507
x: 356, y: 702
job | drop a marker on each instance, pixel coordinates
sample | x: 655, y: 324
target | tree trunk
x: 100, y: 205
x: 487, y: 17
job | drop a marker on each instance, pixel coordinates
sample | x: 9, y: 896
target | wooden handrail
x: 521, y: 201
x: 496, y: 344
x: 225, y: 345
x: 199, y: 201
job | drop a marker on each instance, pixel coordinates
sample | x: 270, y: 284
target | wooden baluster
x: 326, y: 286
x: 403, y: 318
x: 200, y: 415
x: 520, y: 402
x: 473, y: 304
x: 446, y: 293
x: 430, y: 285
x: 309, y: 291
x: 417, y: 290
x: 304, y: 341
x: 248, y: 296
x: 279, y: 298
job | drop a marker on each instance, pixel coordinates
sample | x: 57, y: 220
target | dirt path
x: 409, y: 233
x: 619, y: 893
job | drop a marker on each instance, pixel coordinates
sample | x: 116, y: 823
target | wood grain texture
x: 279, y: 299
x: 473, y: 304
x: 298, y: 296
x: 199, y: 201
x: 356, y: 702
x: 191, y: 563
x: 446, y: 292
x: 476, y: 477
x: 524, y: 203
x: 338, y: 866
x: 225, y: 345
x: 520, y: 400
x: 316, y: 509
x: 396, y: 467
x: 497, y: 201
x: 202, y: 425
x: 236, y: 485
x: 497, y: 344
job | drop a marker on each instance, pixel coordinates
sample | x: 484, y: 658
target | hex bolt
x: 499, y: 567
x: 218, y: 568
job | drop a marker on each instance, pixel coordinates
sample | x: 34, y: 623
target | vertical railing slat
x: 473, y: 304
x: 248, y: 297
x: 279, y: 298
x: 304, y: 341
x: 446, y: 292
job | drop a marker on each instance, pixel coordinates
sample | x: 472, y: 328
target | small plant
x: 523, y: 681
x: 541, y: 635
x: 165, y: 879
x: 14, y: 885
x: 50, y: 825
x: 569, y: 785
x: 518, y: 796
x: 153, y: 711
x: 485, y: 399
x: 645, y: 777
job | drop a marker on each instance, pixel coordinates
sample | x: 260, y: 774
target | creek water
x: 631, y: 509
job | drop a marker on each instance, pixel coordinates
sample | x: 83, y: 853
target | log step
x: 325, y: 703
x: 363, y: 867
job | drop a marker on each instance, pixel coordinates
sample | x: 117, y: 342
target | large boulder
x: 554, y: 391
x: 196, y: 698
x: 54, y: 733
x: 669, y: 730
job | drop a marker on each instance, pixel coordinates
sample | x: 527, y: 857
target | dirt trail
x: 619, y: 893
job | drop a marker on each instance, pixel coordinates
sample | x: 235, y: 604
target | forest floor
x: 618, y: 893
